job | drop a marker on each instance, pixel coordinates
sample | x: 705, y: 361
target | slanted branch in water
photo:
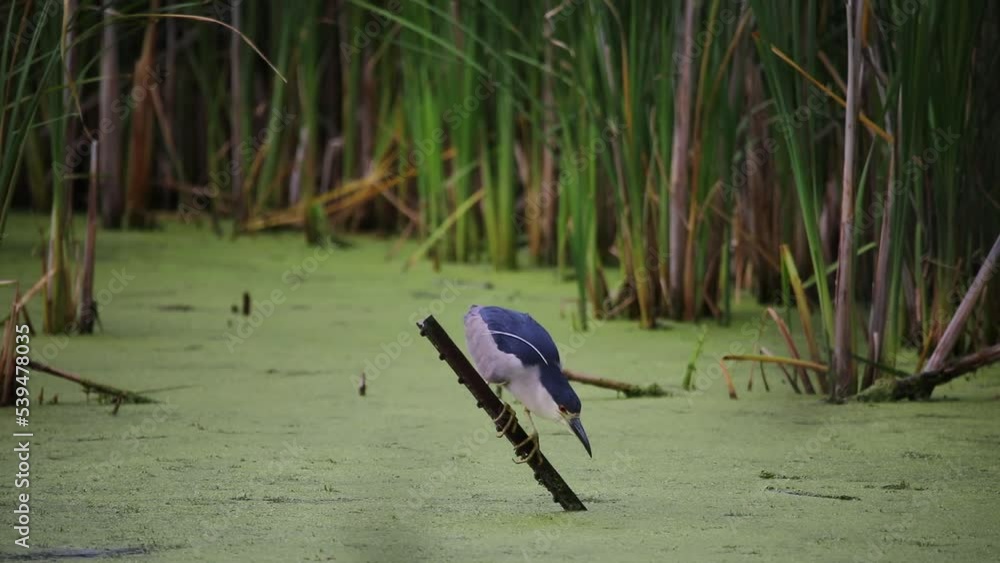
x: 913, y: 387
x: 921, y: 385
x: 545, y: 474
x: 628, y: 389
x: 88, y: 385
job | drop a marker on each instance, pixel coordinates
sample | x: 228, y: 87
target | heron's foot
x: 511, y: 418
x: 535, y: 451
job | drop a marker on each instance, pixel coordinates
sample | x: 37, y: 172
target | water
x: 262, y: 449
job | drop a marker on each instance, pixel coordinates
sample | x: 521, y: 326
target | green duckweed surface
x: 262, y: 449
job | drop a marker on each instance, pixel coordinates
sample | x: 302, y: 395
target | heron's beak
x: 577, y: 427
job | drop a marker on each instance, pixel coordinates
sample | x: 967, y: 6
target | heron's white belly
x: 526, y: 385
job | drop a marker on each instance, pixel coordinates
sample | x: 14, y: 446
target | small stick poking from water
x: 729, y: 380
x: 763, y: 377
x: 363, y: 386
x: 246, y: 303
x: 788, y: 376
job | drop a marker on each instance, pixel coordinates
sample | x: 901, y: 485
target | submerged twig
x: 762, y: 376
x: 808, y: 494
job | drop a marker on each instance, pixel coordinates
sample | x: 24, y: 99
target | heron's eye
x: 562, y: 409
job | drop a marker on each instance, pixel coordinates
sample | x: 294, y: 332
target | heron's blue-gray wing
x: 518, y: 334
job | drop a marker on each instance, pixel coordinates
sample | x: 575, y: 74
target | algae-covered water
x: 261, y: 448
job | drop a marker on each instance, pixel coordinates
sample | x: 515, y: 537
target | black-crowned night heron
x: 511, y: 349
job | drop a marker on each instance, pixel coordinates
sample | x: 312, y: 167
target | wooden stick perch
x: 545, y: 474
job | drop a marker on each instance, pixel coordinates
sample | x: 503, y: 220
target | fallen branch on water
x: 921, y: 385
x: 628, y: 389
x: 88, y: 385
x: 965, y: 308
x: 913, y: 387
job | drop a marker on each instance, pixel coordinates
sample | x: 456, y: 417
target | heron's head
x: 569, y: 406
x: 573, y: 420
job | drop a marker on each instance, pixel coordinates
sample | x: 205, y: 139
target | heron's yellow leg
x: 531, y: 420
x: 511, y: 417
